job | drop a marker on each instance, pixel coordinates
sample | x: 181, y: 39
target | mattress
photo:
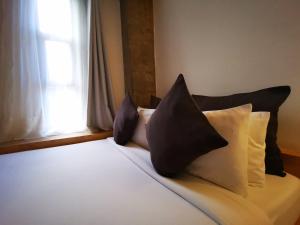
x: 101, y: 182
x: 280, y: 199
x: 86, y: 184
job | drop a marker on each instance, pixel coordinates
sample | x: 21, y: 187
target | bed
x: 100, y: 182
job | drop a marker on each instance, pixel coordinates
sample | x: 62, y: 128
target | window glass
x: 59, y: 33
x: 55, y: 18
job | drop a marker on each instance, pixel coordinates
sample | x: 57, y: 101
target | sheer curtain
x: 43, y: 67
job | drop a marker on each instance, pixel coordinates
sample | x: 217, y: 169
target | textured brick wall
x: 138, y: 49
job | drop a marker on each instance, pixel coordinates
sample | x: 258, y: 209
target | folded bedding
x: 279, y: 198
x: 277, y: 203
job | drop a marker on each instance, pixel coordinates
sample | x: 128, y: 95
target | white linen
x: 227, y: 166
x: 21, y: 108
x: 139, y: 136
x: 256, y: 148
x: 223, y: 206
x: 43, y: 72
x: 280, y: 199
x: 89, y: 183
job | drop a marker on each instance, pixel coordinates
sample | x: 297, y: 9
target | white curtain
x: 43, y: 67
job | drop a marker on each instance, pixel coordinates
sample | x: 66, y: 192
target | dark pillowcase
x: 178, y: 132
x: 154, y: 101
x: 125, y: 121
x: 269, y: 100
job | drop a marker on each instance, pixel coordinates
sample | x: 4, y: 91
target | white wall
x: 112, y: 38
x: 224, y: 47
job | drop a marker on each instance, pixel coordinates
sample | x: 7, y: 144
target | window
x: 63, y: 43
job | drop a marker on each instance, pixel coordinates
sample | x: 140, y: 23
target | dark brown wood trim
x: 53, y: 141
x: 291, y: 164
x: 290, y: 152
x: 298, y: 221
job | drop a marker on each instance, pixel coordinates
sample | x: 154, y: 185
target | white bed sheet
x: 222, y: 205
x: 86, y: 184
x: 79, y: 184
x: 280, y: 199
x: 278, y: 203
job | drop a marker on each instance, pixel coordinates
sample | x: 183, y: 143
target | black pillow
x: 125, y: 121
x: 178, y: 132
x: 154, y: 101
x: 270, y: 100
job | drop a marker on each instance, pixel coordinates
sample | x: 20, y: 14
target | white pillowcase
x: 139, y: 136
x: 256, y: 148
x: 227, y: 166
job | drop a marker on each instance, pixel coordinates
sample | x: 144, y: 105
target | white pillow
x: 227, y: 166
x: 139, y: 136
x: 256, y: 148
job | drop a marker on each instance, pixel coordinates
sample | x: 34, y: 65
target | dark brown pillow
x: 125, y: 121
x: 154, y: 101
x: 269, y: 100
x: 178, y: 132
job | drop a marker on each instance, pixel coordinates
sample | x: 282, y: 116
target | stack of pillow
x: 230, y: 140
